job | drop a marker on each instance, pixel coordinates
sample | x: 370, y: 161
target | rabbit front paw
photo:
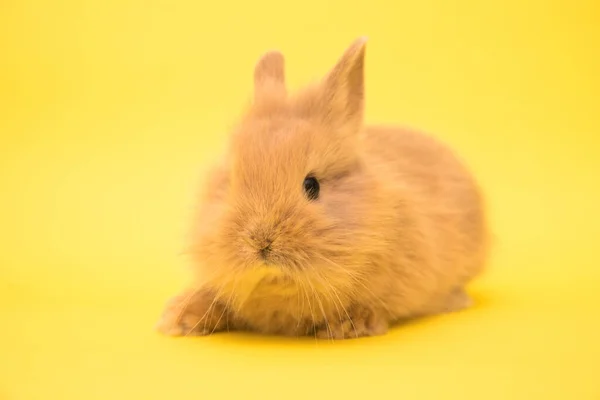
x: 193, y: 313
x: 360, y: 322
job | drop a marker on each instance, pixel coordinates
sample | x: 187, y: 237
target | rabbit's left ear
x: 343, y: 88
x: 269, y: 76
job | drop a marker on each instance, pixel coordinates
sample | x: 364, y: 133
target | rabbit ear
x: 269, y: 76
x: 343, y: 89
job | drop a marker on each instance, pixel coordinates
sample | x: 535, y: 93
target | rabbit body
x: 316, y: 225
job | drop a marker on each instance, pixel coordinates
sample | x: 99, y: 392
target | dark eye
x: 311, y: 187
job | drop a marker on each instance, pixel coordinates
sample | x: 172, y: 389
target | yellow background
x: 110, y: 110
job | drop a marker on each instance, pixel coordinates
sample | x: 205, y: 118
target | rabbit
x: 313, y: 224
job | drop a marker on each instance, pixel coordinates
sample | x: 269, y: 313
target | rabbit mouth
x: 272, y: 258
x: 264, y: 253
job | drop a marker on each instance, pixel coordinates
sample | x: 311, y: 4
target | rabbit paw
x: 457, y: 300
x: 192, y: 314
x: 361, y: 322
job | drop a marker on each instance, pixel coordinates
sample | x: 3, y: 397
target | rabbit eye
x: 311, y: 187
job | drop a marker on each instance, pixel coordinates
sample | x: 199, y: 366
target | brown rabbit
x: 316, y: 225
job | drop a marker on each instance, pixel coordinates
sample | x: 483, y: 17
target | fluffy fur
x: 397, y: 232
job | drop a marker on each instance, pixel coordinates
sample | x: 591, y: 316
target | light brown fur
x: 397, y: 232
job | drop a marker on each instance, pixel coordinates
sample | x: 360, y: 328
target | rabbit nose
x: 261, y: 242
x: 265, y: 251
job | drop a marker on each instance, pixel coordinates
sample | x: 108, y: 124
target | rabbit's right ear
x: 269, y: 76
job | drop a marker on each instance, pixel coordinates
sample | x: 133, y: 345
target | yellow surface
x: 111, y: 109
